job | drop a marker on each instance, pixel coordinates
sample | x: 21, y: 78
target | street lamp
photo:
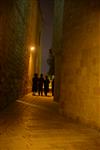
x: 32, y: 48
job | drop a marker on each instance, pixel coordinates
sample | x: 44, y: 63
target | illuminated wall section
x: 80, y: 85
x: 33, y: 40
x: 79, y: 63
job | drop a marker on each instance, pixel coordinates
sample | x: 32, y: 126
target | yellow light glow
x: 32, y: 48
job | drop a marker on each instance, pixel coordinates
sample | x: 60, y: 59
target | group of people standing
x: 40, y: 85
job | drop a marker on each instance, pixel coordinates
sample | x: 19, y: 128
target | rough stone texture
x: 14, y: 49
x: 80, y: 61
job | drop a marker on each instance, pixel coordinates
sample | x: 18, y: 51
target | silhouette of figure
x: 40, y: 85
x: 35, y: 83
x: 46, y: 85
x: 53, y: 87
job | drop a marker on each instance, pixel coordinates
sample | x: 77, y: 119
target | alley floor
x: 34, y: 123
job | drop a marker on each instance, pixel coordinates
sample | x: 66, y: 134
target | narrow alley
x: 34, y: 123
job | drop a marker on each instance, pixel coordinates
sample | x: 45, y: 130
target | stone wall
x: 80, y: 61
x: 14, y: 50
x: 57, y: 44
x: 34, y: 27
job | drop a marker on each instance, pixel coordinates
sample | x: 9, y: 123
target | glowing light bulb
x: 32, y: 48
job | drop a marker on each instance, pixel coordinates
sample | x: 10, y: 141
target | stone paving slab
x: 34, y: 123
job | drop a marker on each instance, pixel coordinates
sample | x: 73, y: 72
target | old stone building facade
x: 77, y: 53
x: 19, y: 30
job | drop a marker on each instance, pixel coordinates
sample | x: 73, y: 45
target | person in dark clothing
x: 46, y: 85
x: 40, y: 85
x: 53, y: 87
x: 35, y: 83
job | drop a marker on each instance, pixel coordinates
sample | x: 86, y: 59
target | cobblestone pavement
x: 34, y: 123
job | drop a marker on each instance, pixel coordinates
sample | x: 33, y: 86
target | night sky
x: 47, y: 8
